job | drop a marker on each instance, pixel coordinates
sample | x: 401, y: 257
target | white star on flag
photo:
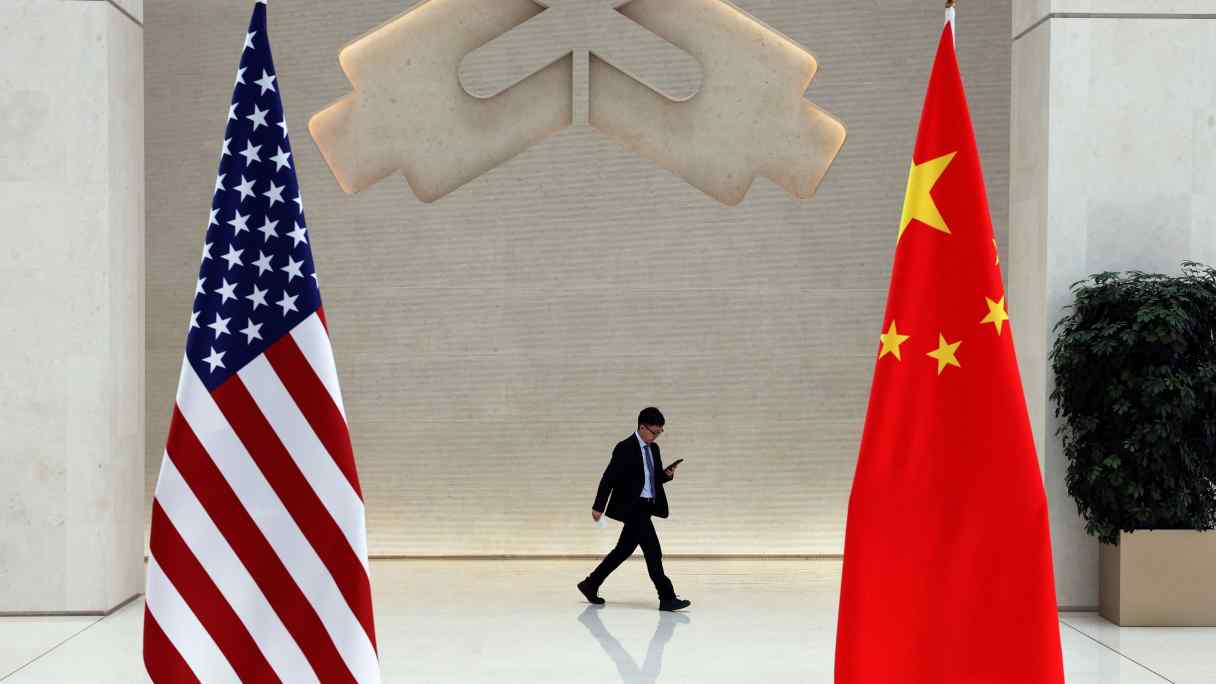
x: 220, y: 326
x: 263, y: 264
x: 251, y: 331
x: 266, y: 82
x: 239, y: 222
x: 281, y: 159
x: 251, y: 153
x: 216, y: 360
x: 268, y: 230
x: 288, y: 303
x: 246, y: 188
x: 228, y: 291
x: 258, y: 298
x: 233, y: 257
x: 299, y: 235
x: 258, y: 117
x: 292, y: 269
x: 275, y: 193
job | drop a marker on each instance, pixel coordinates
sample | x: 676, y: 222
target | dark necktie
x: 650, y: 468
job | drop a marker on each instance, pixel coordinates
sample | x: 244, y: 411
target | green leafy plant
x: 1135, y: 371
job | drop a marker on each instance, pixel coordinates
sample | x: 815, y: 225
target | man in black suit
x: 634, y: 479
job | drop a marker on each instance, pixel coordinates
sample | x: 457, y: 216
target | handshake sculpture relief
x: 453, y: 88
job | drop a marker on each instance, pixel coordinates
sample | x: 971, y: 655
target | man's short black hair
x: 651, y: 416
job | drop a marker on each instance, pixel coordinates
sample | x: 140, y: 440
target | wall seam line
x: 124, y: 12
x: 1109, y: 15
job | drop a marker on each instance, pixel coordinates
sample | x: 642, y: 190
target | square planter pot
x: 1159, y: 578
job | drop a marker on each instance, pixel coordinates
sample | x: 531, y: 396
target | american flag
x: 258, y: 566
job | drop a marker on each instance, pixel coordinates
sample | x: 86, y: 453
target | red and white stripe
x: 258, y: 568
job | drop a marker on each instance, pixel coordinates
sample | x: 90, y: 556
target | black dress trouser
x: 638, y: 531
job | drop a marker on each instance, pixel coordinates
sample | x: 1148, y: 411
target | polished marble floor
x: 523, y: 621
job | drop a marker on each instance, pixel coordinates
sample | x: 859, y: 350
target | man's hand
x: 670, y: 472
x: 595, y: 515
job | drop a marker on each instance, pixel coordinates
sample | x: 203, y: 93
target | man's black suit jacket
x: 624, y: 479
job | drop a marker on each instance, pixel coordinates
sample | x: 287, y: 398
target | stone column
x: 71, y: 305
x: 1113, y: 167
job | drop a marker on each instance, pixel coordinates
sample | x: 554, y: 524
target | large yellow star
x: 945, y: 354
x: 996, y: 314
x: 918, y: 203
x: 891, y: 341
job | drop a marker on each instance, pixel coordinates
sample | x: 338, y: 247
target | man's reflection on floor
x: 625, y: 665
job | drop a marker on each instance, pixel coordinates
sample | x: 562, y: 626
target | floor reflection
x: 626, y: 666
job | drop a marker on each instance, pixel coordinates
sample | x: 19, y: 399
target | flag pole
x: 950, y: 20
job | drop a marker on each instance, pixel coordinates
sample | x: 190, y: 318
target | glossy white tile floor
x: 523, y: 621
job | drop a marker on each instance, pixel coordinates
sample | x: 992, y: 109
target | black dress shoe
x: 590, y: 592
x: 674, y: 604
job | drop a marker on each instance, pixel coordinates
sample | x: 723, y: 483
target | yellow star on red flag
x: 891, y: 341
x: 918, y: 203
x: 945, y: 354
x: 996, y: 314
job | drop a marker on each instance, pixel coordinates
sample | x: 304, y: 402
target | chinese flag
x: 947, y: 557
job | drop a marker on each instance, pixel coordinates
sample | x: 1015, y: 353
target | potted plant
x: 1135, y: 392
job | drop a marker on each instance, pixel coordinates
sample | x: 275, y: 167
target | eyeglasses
x: 652, y: 431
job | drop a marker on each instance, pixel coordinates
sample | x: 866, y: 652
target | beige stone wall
x: 72, y: 437
x: 494, y: 345
x: 1114, y: 139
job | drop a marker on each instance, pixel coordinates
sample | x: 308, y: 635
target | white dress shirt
x: 647, y: 467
